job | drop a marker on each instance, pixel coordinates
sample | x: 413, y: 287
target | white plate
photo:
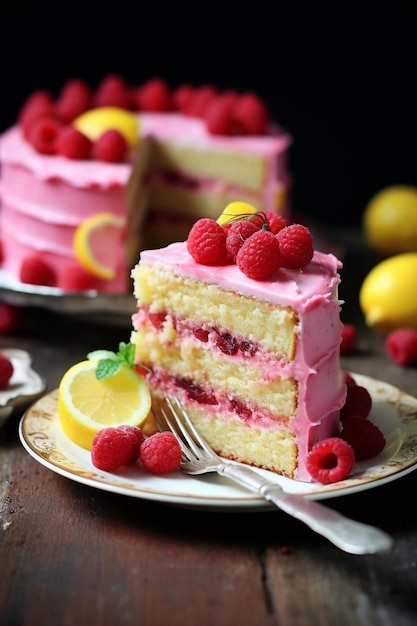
x: 394, y: 411
x: 111, y: 308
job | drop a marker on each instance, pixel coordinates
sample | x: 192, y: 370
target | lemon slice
x: 235, y: 208
x: 94, y: 243
x: 87, y: 405
x: 95, y: 122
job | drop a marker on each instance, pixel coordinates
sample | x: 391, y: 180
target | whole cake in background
x: 242, y: 323
x: 89, y: 178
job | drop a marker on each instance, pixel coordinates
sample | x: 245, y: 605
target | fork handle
x: 348, y: 535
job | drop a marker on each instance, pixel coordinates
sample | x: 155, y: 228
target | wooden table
x: 73, y: 555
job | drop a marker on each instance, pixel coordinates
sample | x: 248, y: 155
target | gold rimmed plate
x: 394, y: 411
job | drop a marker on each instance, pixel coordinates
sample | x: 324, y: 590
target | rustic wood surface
x: 72, y: 555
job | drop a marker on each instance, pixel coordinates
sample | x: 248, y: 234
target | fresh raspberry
x: 358, y: 402
x: 113, y: 91
x: 6, y: 370
x: 35, y: 271
x: 75, y: 278
x: 200, y: 100
x: 348, y: 339
x: 296, y: 246
x: 364, y: 436
x: 218, y: 116
x: 181, y: 97
x: 276, y: 222
x: 111, y: 147
x: 153, y: 96
x: 207, y: 242
x: 39, y: 104
x: 401, y: 346
x: 237, y: 235
x: 161, y: 453
x: 251, y: 115
x: 330, y: 460
x: 43, y: 133
x: 259, y: 256
x: 73, y: 144
x: 112, y: 448
x: 75, y: 98
x: 10, y: 317
x: 136, y: 435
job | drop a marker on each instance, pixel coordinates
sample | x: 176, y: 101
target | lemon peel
x: 95, y: 122
x: 87, y: 404
x: 94, y: 239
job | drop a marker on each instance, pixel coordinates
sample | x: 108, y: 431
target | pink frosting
x: 312, y: 292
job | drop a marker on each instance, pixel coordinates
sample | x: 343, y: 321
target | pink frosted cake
x: 194, y: 151
x: 255, y: 361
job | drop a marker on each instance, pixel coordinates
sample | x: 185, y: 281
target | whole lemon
x: 390, y: 220
x: 388, y: 294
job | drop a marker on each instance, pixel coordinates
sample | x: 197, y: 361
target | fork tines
x: 170, y: 415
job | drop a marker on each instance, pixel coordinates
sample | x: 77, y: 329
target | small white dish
x: 24, y: 387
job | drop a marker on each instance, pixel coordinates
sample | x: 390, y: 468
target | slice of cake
x: 254, y: 360
x: 187, y: 153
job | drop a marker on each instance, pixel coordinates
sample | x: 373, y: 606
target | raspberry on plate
x: 366, y: 439
x: 114, y: 447
x: 161, y: 453
x: 358, y: 402
x: 330, y: 460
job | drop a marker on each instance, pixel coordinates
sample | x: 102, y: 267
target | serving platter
x: 110, y: 308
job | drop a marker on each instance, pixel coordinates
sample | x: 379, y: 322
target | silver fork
x: 199, y: 458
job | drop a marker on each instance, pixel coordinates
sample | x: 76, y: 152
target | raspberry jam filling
x: 189, y: 392
x: 216, y: 339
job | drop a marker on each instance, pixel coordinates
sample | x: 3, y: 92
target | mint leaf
x: 107, y: 368
x: 126, y: 353
x: 109, y: 363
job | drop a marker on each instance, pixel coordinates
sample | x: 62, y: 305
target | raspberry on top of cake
x: 155, y: 157
x: 242, y: 322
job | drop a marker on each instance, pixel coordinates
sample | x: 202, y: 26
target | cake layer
x: 183, y: 144
x: 266, y: 389
x: 270, y: 449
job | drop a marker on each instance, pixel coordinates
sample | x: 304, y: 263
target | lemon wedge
x: 94, y: 243
x: 95, y: 122
x: 235, y: 208
x: 87, y: 405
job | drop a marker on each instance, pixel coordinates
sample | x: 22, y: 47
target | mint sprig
x: 109, y: 363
